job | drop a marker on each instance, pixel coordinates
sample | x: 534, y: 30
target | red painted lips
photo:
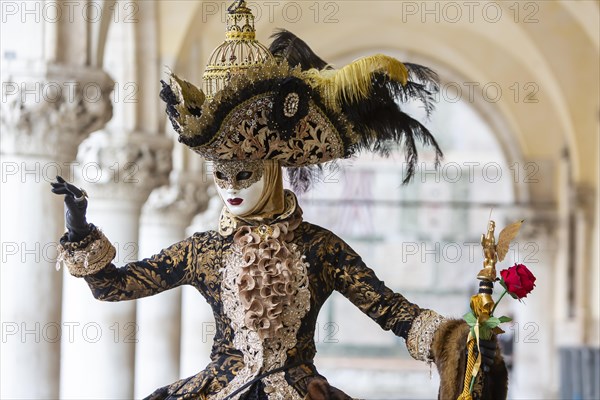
x: 235, y: 202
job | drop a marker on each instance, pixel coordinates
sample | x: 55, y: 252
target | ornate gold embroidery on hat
x: 287, y: 104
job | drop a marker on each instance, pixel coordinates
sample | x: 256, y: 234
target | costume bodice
x: 246, y: 345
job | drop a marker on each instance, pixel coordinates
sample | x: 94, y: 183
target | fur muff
x: 450, y: 357
x: 320, y: 389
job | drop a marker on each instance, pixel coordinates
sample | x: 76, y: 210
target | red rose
x: 518, y: 281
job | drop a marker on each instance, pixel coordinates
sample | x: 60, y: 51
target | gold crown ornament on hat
x: 238, y: 52
x: 285, y: 103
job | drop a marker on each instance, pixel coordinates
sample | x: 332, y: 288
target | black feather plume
x: 295, y: 51
x: 424, y: 75
x: 167, y: 95
x: 422, y: 85
x: 380, y: 122
x: 304, y: 178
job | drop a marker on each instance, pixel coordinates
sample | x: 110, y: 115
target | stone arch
x: 508, y: 52
x: 489, y: 112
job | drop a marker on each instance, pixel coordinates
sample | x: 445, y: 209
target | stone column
x: 584, y: 203
x: 535, y: 355
x: 45, y: 114
x: 165, y: 216
x: 197, y: 325
x: 118, y: 171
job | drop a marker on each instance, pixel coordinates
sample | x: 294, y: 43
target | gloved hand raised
x: 76, y: 204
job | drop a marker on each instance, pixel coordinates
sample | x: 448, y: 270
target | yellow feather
x: 354, y: 81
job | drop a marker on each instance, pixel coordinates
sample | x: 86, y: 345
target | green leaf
x: 470, y: 318
x: 505, y: 319
x: 492, y: 322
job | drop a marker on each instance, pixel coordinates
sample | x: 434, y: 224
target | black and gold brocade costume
x: 212, y: 261
x: 267, y: 278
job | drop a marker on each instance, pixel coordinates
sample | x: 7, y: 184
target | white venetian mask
x: 240, y: 184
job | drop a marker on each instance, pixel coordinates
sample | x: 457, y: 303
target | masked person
x: 266, y: 272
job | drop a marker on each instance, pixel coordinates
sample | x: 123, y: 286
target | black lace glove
x: 76, y: 204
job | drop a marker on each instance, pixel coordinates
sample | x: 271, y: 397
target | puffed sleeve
x: 390, y: 310
x: 92, y: 259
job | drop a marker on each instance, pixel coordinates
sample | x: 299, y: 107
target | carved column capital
x: 49, y: 109
x: 124, y: 166
x: 209, y: 218
x: 184, y: 196
x: 539, y: 223
x: 584, y: 199
x: 540, y: 230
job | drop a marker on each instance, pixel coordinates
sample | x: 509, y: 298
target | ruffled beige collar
x: 271, y: 270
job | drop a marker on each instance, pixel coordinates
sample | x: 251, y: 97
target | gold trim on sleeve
x: 88, y: 256
x: 420, y: 335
